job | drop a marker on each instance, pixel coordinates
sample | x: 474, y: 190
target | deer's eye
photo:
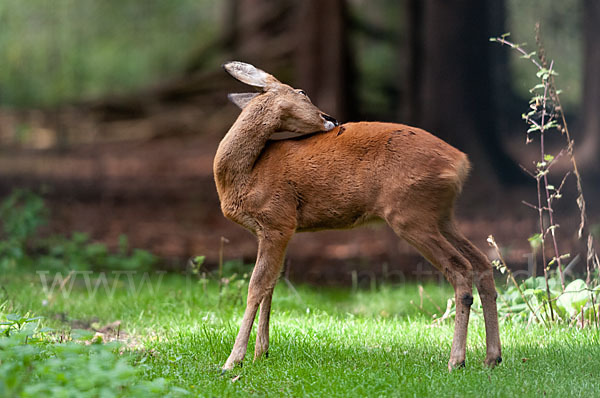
x: 302, y: 92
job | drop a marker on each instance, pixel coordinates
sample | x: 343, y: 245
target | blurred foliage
x: 562, y: 34
x: 65, y: 50
x: 22, y: 213
x: 377, y: 55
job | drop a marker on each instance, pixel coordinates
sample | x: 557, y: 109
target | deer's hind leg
x: 429, y: 241
x: 484, y: 281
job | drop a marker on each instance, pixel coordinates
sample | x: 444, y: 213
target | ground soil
x: 148, y: 174
x: 161, y: 194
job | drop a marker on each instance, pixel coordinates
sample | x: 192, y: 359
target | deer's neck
x: 241, y: 147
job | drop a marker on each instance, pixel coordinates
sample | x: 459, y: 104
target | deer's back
x: 346, y: 176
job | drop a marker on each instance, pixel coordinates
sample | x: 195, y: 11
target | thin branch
x: 558, y: 155
x: 492, y: 243
x: 560, y: 187
x: 543, y: 246
x: 514, y: 46
x: 530, y: 205
x: 548, y: 201
x: 526, y: 170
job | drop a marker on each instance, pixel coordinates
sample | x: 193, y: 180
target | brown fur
x: 342, y: 178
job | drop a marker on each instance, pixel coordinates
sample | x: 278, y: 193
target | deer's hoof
x: 259, y: 354
x: 493, y: 361
x: 453, y: 365
x: 229, y: 365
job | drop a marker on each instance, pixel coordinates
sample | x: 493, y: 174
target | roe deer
x: 341, y: 177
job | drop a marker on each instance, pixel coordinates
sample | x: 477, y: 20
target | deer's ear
x: 241, y: 99
x: 248, y: 74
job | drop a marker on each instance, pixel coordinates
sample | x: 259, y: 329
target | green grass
x: 324, y: 341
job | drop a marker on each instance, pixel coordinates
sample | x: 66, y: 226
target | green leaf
x: 535, y: 240
x: 199, y: 260
x: 542, y: 72
x: 565, y: 256
x: 574, y: 297
x: 13, y: 317
x: 537, y: 87
x: 536, y: 98
x: 528, y: 56
x: 548, y: 158
x: 82, y: 334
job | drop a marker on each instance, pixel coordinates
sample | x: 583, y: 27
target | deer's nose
x: 330, y: 119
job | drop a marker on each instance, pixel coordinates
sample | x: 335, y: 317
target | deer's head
x: 295, y: 114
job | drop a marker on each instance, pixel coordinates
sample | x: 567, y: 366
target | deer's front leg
x: 266, y: 271
x: 262, y: 336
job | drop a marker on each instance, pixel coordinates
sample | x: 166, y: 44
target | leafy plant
x: 72, y: 369
x: 528, y: 300
x: 24, y: 325
x: 32, y: 364
x: 23, y: 212
x: 548, y: 298
x: 77, y: 253
x: 234, y: 282
x: 232, y: 277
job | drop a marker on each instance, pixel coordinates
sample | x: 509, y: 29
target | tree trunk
x: 303, y: 43
x: 589, y: 143
x: 457, y: 90
x: 414, y: 51
x: 322, y: 59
